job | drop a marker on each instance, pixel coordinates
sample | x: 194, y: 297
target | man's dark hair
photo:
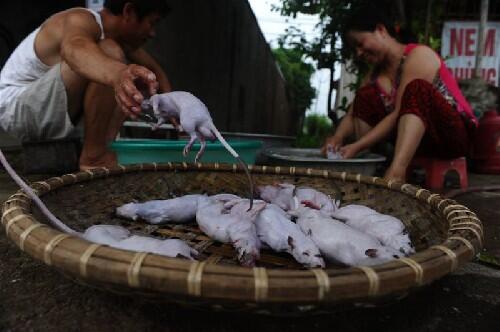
x: 142, y: 7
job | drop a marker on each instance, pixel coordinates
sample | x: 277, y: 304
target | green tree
x: 411, y: 15
x: 314, y: 131
x: 297, y: 74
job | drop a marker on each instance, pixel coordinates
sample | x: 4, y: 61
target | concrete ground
x: 34, y: 297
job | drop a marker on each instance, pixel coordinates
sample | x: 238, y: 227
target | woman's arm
x: 344, y: 130
x: 346, y: 126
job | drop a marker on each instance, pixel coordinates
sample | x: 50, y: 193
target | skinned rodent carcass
x: 236, y: 227
x: 277, y: 231
x: 389, y: 230
x: 283, y: 194
x: 175, y: 210
x: 340, y: 242
x: 321, y: 201
x: 280, y: 194
x: 119, y: 237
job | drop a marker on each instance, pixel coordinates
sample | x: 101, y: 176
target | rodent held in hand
x: 194, y: 119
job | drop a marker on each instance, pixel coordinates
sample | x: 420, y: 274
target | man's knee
x: 112, y: 49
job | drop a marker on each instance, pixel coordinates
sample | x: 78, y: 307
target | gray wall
x: 215, y: 49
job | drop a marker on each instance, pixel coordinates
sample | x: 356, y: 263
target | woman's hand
x: 349, y: 151
x: 333, y: 141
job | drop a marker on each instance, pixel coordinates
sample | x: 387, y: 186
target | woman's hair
x: 142, y: 7
x: 366, y: 17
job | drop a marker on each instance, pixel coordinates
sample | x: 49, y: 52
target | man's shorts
x: 39, y: 113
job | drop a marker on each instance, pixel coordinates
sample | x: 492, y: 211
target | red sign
x: 459, y: 45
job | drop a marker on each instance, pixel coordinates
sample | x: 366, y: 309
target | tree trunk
x: 428, y: 21
x: 402, y: 12
x: 332, y: 114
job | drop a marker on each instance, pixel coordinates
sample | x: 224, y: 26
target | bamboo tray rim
x: 194, y: 280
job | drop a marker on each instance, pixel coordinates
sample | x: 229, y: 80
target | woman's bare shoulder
x: 423, y: 52
x: 422, y: 62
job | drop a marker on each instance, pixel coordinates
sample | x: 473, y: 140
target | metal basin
x: 364, y: 163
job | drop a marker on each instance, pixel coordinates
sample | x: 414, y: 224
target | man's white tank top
x: 24, y: 67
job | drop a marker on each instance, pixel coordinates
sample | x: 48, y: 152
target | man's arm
x: 80, y: 50
x: 143, y: 58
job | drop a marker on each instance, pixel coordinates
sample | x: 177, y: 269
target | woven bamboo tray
x: 445, y: 233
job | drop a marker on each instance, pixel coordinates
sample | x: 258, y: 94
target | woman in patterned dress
x: 408, y: 96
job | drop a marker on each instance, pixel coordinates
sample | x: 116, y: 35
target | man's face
x: 139, y: 31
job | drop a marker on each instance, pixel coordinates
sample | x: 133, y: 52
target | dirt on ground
x: 35, y: 297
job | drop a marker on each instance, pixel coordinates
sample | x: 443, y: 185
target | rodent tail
x: 237, y: 157
x: 27, y: 189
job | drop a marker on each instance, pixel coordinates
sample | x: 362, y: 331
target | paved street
x: 35, y: 297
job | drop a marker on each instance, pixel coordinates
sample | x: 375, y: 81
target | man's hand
x: 175, y: 123
x: 127, y: 86
x: 334, y: 141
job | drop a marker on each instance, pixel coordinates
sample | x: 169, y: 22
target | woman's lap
x: 368, y: 106
x: 446, y: 135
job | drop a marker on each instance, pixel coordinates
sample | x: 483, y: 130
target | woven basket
x: 445, y: 233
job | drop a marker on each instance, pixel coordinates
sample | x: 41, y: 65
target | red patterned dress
x: 447, y: 117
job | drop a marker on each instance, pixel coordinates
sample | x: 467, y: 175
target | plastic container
x: 134, y: 151
x: 485, y: 154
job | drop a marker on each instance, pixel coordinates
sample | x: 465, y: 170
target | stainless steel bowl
x: 364, y: 163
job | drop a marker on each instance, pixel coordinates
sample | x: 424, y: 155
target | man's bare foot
x: 108, y: 159
x: 87, y: 168
x: 395, y: 174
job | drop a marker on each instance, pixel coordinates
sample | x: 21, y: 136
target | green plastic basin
x: 134, y: 151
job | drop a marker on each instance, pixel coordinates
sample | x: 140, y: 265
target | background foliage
x: 422, y: 17
x: 314, y: 132
x: 297, y: 74
x: 410, y: 15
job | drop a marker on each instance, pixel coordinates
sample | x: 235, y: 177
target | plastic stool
x: 436, y: 169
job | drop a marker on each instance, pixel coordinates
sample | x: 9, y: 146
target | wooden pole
x: 428, y: 21
x: 402, y: 12
x: 481, y: 37
x: 332, y: 112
